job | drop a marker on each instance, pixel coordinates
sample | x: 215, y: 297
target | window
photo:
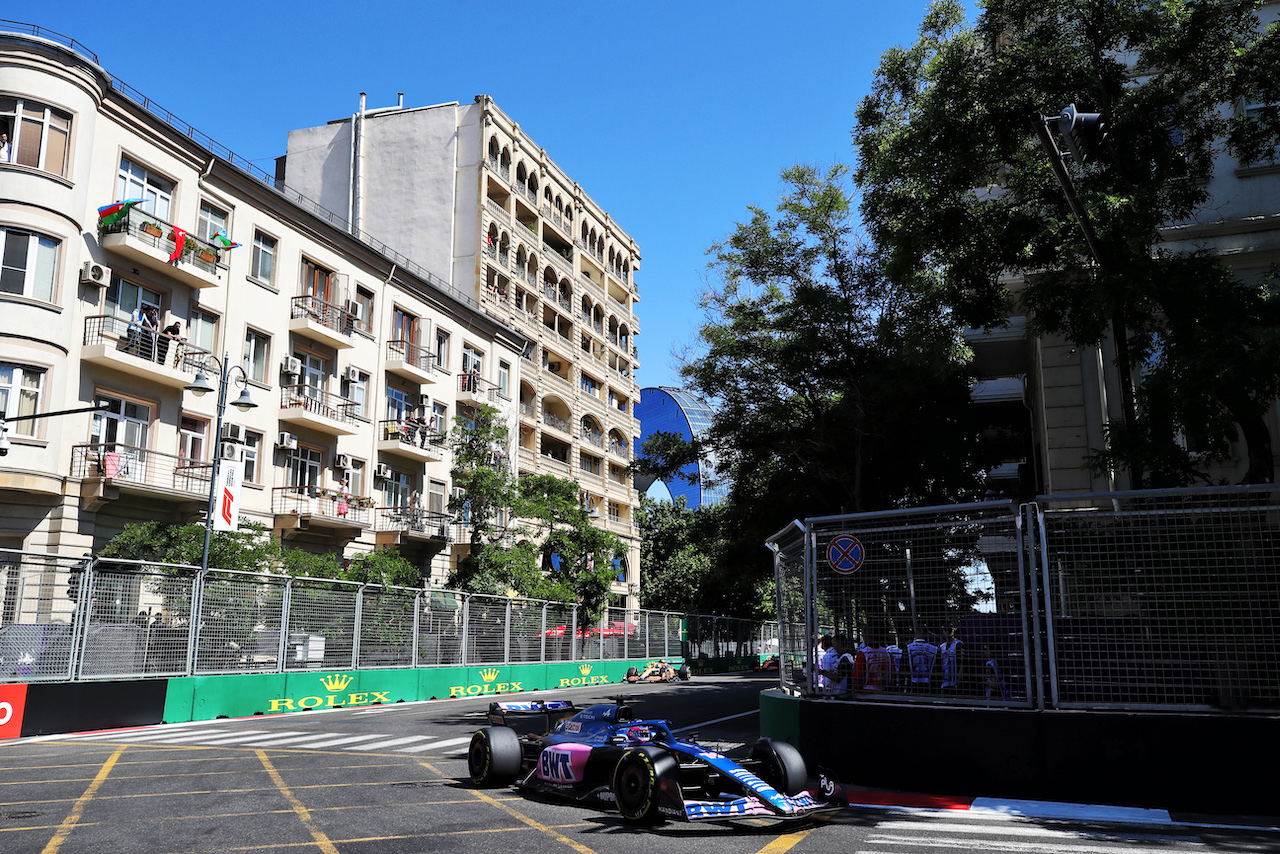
x: 211, y: 221
x: 191, y: 433
x: 404, y: 326
x: 27, y: 264
x: 396, y: 489
x: 262, y: 266
x: 357, y: 391
x: 122, y: 421
x: 124, y: 296
x: 252, y: 444
x: 615, y: 511
x: 315, y: 370
x: 399, y: 406
x: 39, y: 135
x: 442, y: 349
x: 364, y: 319
x: 504, y: 379
x: 257, y: 354
x: 439, y: 417
x: 591, y: 385
x: 435, y: 497
x: 304, y: 466
x: 138, y: 182
x: 315, y: 281
x: 202, y: 330
x: 20, y: 395
x: 355, y: 477
x: 589, y: 463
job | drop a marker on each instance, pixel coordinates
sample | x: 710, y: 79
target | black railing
x: 145, y: 345
x: 318, y: 402
x: 149, y: 229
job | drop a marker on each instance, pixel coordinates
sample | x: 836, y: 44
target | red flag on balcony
x: 179, y: 240
x: 109, y: 215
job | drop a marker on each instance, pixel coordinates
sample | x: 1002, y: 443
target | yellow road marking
x: 536, y: 825
x: 64, y: 830
x: 781, y: 844
x: 303, y: 813
x: 354, y: 840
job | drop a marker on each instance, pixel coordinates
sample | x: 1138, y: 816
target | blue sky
x: 674, y: 117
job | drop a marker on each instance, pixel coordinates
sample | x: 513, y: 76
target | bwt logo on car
x: 556, y: 765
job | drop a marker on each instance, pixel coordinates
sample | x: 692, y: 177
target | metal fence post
x: 355, y: 629
x: 466, y: 628
x: 542, y: 644
x: 417, y: 626
x: 286, y: 602
x: 83, y: 612
x: 506, y: 634
x: 1031, y: 610
x: 193, y: 636
x: 1048, y: 606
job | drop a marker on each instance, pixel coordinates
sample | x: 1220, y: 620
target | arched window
x: 493, y: 147
x: 521, y: 172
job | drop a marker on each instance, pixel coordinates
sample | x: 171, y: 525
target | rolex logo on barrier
x: 337, y: 681
x: 584, y: 669
x: 490, y: 686
x: 334, y: 683
x: 585, y: 679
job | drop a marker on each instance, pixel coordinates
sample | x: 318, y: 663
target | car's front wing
x: 791, y: 806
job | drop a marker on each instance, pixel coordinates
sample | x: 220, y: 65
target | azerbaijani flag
x: 109, y: 215
x: 221, y: 239
x: 179, y: 240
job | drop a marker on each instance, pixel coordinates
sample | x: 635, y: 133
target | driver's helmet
x: 639, y: 733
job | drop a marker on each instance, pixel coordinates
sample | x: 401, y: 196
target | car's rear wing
x: 531, y: 716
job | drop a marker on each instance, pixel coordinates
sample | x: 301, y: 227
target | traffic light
x: 1084, y: 133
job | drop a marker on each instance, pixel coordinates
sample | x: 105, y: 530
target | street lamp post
x: 200, y: 387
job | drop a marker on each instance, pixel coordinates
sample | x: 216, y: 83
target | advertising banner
x: 226, y: 503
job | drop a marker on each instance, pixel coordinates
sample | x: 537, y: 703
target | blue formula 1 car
x: 600, y: 754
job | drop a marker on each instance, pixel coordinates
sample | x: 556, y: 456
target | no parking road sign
x: 845, y: 554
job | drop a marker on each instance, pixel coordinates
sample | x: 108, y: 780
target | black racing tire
x: 637, y: 782
x: 632, y: 672
x: 780, y: 765
x: 494, y: 757
x: 683, y: 672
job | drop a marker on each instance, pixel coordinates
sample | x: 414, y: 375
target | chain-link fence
x: 1148, y: 600
x: 81, y: 618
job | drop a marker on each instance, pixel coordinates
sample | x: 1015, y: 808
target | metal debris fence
x: 1156, y: 600
x: 68, y: 619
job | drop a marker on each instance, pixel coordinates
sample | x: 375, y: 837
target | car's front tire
x: 638, y: 780
x: 780, y: 765
x: 494, y: 756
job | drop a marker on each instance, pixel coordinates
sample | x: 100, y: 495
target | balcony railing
x: 143, y: 345
x: 413, y: 432
x: 326, y: 503
x: 501, y: 168
x: 413, y: 520
x: 554, y: 421
x: 595, y: 439
x: 619, y: 449
x: 411, y: 354
x: 477, y: 386
x: 318, y: 402
x: 141, y: 467
x: 326, y: 314
x: 155, y: 232
x: 527, y: 410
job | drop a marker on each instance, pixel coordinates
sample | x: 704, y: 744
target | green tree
x: 955, y: 184
x: 489, y: 489
x: 676, y: 555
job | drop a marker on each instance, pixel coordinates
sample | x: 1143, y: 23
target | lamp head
x: 244, y: 403
x: 200, y: 385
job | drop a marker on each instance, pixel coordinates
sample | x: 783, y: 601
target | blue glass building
x: 674, y: 410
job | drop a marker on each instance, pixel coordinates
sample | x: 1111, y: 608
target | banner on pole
x: 226, y: 504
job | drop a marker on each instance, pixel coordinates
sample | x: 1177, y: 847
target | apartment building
x: 350, y: 351
x: 462, y: 187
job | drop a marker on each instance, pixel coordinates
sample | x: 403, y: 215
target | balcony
x: 108, y: 469
x: 151, y: 242
x: 473, y: 389
x: 410, y: 361
x: 301, y: 508
x: 412, y: 439
x: 619, y: 450
x: 396, y: 525
x: 1001, y: 351
x: 322, y: 321
x: 1001, y: 390
x: 557, y: 422
x: 168, y: 362
x: 320, y: 410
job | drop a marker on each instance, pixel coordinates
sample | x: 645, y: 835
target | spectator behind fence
x: 952, y: 653
x: 841, y: 676
x: 824, y: 659
x: 920, y: 657
x: 879, y: 666
x: 896, y: 652
x: 992, y: 677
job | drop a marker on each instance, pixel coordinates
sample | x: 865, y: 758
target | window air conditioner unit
x: 288, y: 441
x: 351, y: 373
x: 229, y: 451
x: 342, y: 461
x: 424, y: 400
x: 95, y: 274
x: 291, y: 365
x: 233, y: 433
x: 457, y: 492
x: 355, y: 309
x: 383, y: 471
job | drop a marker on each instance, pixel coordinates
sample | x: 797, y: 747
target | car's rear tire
x: 632, y: 673
x: 494, y: 756
x: 638, y: 779
x: 780, y: 765
x: 683, y: 672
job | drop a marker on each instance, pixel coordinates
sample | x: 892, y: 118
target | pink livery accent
x: 563, y: 763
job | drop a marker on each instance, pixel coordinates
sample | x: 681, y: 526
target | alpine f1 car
x: 600, y: 754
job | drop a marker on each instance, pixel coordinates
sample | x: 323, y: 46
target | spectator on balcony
x: 141, y: 333
x: 6, y: 150
x: 172, y: 332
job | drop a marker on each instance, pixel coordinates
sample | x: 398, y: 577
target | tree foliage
x: 955, y: 183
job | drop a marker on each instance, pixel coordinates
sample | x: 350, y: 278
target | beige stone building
x: 462, y: 187
x: 351, y: 351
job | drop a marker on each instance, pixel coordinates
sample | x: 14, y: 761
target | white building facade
x: 462, y: 187
x: 345, y: 450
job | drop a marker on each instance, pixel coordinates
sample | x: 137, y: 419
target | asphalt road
x: 392, y: 780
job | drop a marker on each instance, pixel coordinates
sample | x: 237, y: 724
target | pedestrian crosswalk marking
x: 215, y: 736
